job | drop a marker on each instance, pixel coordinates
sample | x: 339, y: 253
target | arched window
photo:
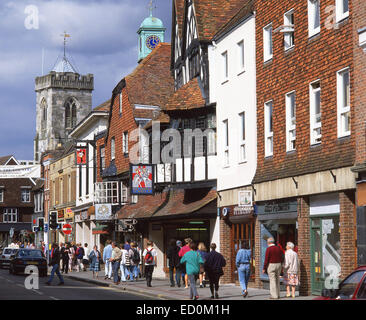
x: 44, y: 113
x: 70, y: 113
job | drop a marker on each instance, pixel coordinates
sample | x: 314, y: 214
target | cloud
x: 103, y: 42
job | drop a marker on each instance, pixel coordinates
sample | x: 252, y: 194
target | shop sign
x: 103, y: 212
x: 245, y: 198
x: 81, y: 156
x: 277, y: 207
x: 84, y: 215
x: 240, y: 211
x: 69, y: 214
x: 61, y: 215
x: 142, y: 179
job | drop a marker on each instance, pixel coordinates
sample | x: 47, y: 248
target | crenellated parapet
x: 65, y: 80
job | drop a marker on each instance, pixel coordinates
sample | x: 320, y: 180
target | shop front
x: 277, y: 219
x: 325, y: 240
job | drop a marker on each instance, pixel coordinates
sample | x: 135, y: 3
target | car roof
x: 11, y: 248
x: 361, y: 268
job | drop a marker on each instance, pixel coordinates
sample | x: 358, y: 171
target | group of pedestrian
x: 22, y: 245
x: 123, y: 262
x: 74, y: 257
x: 192, y: 262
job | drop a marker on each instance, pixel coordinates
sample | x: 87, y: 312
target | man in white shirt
x: 149, y: 255
x: 86, y: 256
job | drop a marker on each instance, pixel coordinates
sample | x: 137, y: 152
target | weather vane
x: 65, y: 35
x: 151, y: 7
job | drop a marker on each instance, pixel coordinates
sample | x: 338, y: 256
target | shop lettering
x: 274, y: 208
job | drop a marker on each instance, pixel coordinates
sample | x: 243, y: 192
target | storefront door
x: 325, y: 252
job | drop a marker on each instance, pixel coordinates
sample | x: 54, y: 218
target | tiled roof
x: 186, y: 201
x: 151, y: 83
x: 145, y: 207
x: 172, y: 203
x: 246, y: 9
x: 4, y: 160
x: 104, y: 106
x: 163, y: 118
x: 213, y: 14
x: 187, y: 97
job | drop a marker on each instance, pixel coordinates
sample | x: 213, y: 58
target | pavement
x: 161, y: 289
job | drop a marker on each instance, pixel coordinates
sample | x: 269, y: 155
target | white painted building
x: 84, y: 135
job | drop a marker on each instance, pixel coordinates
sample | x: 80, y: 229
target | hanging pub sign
x: 142, y: 179
x: 103, y: 212
x: 245, y: 198
x: 81, y: 156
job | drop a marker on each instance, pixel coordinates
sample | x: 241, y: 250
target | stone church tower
x: 64, y: 98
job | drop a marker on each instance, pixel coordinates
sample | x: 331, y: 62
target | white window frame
x: 134, y: 198
x: 343, y: 111
x: 315, y: 137
x: 340, y: 13
x: 289, y: 31
x: 242, y: 145
x: 1, y: 195
x: 290, y: 122
x: 226, y: 142
x: 125, y: 142
x: 28, y: 195
x: 225, y: 66
x: 268, y: 42
x: 113, y: 148
x: 268, y: 134
x: 241, y: 56
x: 124, y: 195
x: 12, y: 213
x: 121, y: 102
x: 311, y: 17
x: 106, y: 193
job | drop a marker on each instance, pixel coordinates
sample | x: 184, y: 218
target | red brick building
x: 306, y: 129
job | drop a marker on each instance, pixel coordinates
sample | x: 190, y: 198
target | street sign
x: 67, y: 229
x: 45, y: 227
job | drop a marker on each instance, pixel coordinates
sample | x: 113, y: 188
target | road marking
x: 20, y: 285
x: 39, y: 292
x: 53, y: 298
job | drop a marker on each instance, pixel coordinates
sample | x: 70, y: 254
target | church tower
x: 64, y: 98
x: 151, y: 33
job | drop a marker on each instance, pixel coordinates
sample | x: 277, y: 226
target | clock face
x: 152, y: 42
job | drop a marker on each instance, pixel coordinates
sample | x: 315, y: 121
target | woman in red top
x: 181, y: 253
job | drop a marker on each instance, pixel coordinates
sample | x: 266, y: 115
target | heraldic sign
x: 142, y: 179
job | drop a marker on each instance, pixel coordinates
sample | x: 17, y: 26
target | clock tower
x: 151, y: 33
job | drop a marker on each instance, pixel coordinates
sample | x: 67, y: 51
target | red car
x: 351, y: 288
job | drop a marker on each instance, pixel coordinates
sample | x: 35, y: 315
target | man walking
x: 55, y: 263
x: 273, y: 266
x: 115, y: 260
x: 107, y: 254
x: 79, y: 256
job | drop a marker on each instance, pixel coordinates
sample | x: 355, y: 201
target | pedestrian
x: 79, y: 256
x: 94, y: 258
x: 107, y: 254
x: 291, y: 269
x: 149, y: 255
x: 172, y: 254
x: 213, y: 267
x: 55, y: 263
x: 71, y: 257
x: 242, y: 262
x: 86, y: 256
x: 136, y: 259
x: 273, y: 267
x: 193, y: 262
x: 126, y: 264
x: 65, y: 255
x: 203, y: 252
x: 116, y: 261
x: 182, y: 252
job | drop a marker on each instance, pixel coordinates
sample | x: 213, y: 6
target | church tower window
x: 70, y: 113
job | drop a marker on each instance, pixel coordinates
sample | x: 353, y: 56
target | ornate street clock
x: 152, y: 41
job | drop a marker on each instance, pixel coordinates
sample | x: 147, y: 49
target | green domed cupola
x: 151, y: 33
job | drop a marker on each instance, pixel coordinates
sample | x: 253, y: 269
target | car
x: 352, y: 287
x: 5, y: 256
x: 28, y: 257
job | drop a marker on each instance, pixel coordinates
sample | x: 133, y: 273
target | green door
x: 325, y: 253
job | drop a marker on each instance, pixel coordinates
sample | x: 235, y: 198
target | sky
x: 103, y: 42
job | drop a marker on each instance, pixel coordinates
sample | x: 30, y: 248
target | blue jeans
x: 136, y: 271
x: 55, y: 268
x: 192, y: 287
x: 115, y: 266
x: 126, y: 271
x: 244, y: 274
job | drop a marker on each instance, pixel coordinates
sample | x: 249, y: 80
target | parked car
x: 5, y: 257
x: 351, y: 288
x: 28, y: 257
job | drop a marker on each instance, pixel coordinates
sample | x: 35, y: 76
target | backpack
x: 136, y: 257
x: 149, y: 259
x: 77, y: 251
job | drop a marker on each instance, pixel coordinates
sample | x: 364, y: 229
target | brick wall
x: 348, y: 232
x: 359, y: 18
x: 225, y: 250
x: 303, y: 240
x: 258, y: 271
x: 319, y: 57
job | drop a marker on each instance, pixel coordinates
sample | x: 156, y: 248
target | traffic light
x: 40, y: 224
x: 53, y: 220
